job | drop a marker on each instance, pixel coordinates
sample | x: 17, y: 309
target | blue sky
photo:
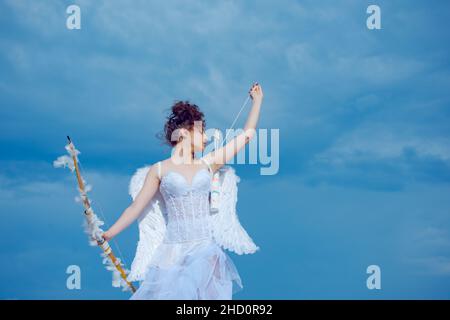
x: 364, y: 136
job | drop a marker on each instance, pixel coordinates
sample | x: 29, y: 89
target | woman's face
x: 198, y: 137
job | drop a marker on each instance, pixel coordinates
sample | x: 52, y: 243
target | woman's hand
x: 107, y: 235
x: 256, y: 92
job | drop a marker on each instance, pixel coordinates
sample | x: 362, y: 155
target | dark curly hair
x: 183, y: 114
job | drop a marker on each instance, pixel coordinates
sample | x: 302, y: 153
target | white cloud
x: 437, y: 265
x: 223, y: 97
x: 170, y: 22
x: 46, y: 18
x: 435, y: 237
x: 302, y: 58
x: 375, y: 141
x: 432, y: 245
x: 313, y: 62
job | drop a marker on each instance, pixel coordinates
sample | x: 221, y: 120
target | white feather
x: 227, y: 229
x: 152, y: 226
x: 64, y: 161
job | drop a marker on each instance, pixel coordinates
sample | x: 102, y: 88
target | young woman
x: 188, y: 264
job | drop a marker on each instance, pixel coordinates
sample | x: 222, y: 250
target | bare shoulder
x: 164, y: 163
x: 161, y: 166
x: 155, y: 169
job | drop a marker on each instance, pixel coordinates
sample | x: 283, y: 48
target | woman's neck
x: 183, y: 154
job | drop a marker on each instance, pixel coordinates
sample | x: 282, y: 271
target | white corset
x: 187, y: 206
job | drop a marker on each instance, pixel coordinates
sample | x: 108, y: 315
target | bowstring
x: 116, y: 245
x: 235, y: 119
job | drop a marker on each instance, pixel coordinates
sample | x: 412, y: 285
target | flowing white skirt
x: 198, y: 270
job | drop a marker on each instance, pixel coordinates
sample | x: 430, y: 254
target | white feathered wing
x: 227, y: 230
x: 152, y: 226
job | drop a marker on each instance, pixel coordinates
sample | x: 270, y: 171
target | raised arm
x: 131, y: 213
x: 219, y: 157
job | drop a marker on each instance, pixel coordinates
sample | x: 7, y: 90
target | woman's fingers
x: 253, y: 87
x: 106, y: 236
x: 255, y: 90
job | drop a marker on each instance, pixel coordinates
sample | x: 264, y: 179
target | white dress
x: 186, y: 261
